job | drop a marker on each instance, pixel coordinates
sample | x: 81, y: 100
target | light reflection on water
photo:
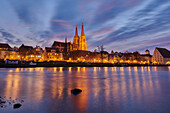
x: 107, y: 89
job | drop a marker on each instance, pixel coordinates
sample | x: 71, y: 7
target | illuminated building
x: 29, y: 53
x: 63, y: 47
x: 4, y: 46
x: 161, y: 56
x: 79, y: 43
x: 52, y: 54
x: 6, y: 52
x: 147, y: 52
x: 146, y: 58
x: 76, y: 39
x: 82, y: 40
x: 38, y: 56
x: 26, y: 52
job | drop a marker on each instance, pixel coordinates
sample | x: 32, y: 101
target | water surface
x: 105, y: 90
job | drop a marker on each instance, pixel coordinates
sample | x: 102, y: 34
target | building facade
x: 52, y: 54
x: 79, y: 43
x: 63, y: 47
x: 161, y: 56
x: 146, y: 58
x: 6, y: 52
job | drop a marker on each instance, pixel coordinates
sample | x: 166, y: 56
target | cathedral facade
x: 79, y: 43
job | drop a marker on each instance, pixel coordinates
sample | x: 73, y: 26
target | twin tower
x: 79, y: 43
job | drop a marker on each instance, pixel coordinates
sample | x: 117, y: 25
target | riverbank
x: 72, y: 64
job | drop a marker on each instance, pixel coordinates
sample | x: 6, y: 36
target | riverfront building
x: 161, y: 56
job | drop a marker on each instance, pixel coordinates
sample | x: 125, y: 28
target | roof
x: 147, y: 50
x: 164, y: 52
x: 56, y: 43
x: 104, y: 52
x: 146, y: 55
x: 4, y: 45
x: 48, y: 49
x: 81, y: 51
x: 25, y: 47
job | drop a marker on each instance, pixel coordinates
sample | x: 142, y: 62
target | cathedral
x: 79, y: 43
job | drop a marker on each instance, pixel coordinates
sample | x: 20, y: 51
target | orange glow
x: 42, y: 69
x: 22, y: 69
x: 154, y: 62
x: 55, y: 69
x: 149, y: 69
x: 112, y: 69
x: 78, y: 68
x: 142, y: 69
x: 84, y: 68
x: 136, y: 69
x: 135, y: 61
x: 105, y: 69
x: 155, y: 68
x: 121, y: 61
x: 121, y: 68
x: 168, y: 62
x: 95, y: 69
x: 10, y: 70
x: 39, y: 86
x: 31, y: 69
x: 17, y: 69
x: 69, y: 69
x: 129, y: 68
x: 13, y: 86
x: 61, y: 69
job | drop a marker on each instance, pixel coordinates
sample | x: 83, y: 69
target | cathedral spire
x: 82, y: 41
x: 66, y: 39
x: 76, y: 40
x: 82, y: 31
x: 76, y: 33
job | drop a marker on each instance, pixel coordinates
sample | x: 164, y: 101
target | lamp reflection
x: 41, y: 68
x: 17, y: 70
x: 55, y: 69
x: 69, y: 69
x: 123, y: 83
x: 137, y: 84
x: 142, y: 69
x: 80, y: 101
x: 84, y: 68
x: 35, y: 86
x: 107, y: 84
x: 78, y: 68
x: 30, y: 69
x: 61, y: 69
x: 95, y: 83
x: 95, y: 69
x: 13, y: 85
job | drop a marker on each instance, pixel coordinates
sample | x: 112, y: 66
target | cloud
x: 117, y: 24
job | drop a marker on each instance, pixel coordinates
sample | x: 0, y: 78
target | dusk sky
x: 119, y: 25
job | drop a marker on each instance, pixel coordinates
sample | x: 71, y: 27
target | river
x: 104, y: 89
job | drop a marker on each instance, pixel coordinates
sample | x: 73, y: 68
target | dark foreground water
x: 105, y: 90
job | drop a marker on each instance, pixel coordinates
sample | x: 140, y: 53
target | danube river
x: 104, y: 89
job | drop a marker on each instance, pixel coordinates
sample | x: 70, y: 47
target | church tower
x: 76, y: 41
x: 82, y: 40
